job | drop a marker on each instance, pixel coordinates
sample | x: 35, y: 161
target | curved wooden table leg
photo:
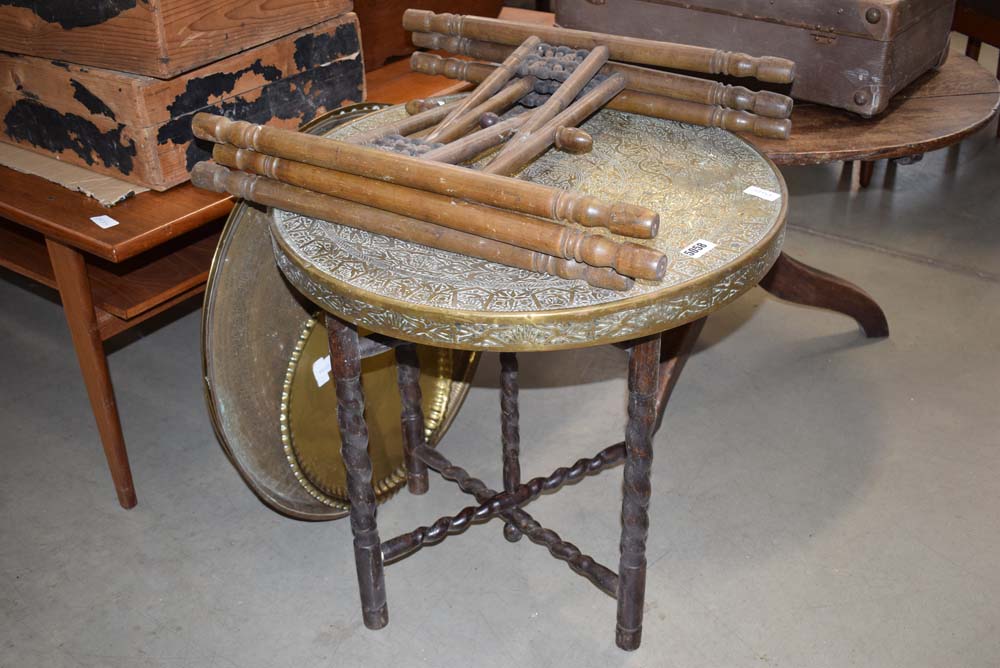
x: 70, y: 271
x: 793, y: 281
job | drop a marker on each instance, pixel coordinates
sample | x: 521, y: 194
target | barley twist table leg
x: 345, y: 363
x: 643, y: 368
x: 510, y: 433
x: 412, y: 418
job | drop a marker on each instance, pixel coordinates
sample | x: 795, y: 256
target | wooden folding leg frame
x: 651, y: 378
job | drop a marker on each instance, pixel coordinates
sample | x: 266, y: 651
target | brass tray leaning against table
x: 263, y: 358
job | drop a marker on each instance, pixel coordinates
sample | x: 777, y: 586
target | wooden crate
x: 158, y: 38
x: 139, y: 128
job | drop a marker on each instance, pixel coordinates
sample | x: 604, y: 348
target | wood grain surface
x: 145, y: 221
x: 137, y: 128
x: 124, y: 290
x: 161, y: 39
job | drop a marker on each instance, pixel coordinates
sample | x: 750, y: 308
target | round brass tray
x: 276, y: 423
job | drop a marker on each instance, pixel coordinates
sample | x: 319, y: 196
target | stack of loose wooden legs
x: 403, y: 179
x: 647, y: 91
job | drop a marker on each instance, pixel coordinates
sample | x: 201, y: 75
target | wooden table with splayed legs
x: 938, y: 110
x: 722, y: 211
x: 109, y: 279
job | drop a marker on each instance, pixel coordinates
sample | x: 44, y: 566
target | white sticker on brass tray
x: 762, y: 193
x: 698, y: 248
x: 321, y: 371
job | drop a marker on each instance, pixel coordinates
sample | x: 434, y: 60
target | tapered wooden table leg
x: 510, y: 433
x: 791, y: 280
x: 345, y: 363
x: 70, y: 271
x: 643, y: 372
x: 412, y: 418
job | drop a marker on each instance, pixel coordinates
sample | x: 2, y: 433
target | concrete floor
x: 819, y: 499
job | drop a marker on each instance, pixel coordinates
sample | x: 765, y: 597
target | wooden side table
x: 720, y: 241
x: 109, y: 280
x: 937, y: 110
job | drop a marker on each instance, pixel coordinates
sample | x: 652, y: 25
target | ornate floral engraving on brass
x: 260, y: 339
x: 695, y: 177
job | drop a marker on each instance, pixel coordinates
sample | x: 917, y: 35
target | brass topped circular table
x: 722, y: 208
x: 694, y: 177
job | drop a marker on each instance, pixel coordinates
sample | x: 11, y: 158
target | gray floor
x: 819, y: 499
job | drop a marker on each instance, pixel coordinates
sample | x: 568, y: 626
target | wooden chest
x: 851, y: 54
x: 139, y: 128
x: 158, y: 38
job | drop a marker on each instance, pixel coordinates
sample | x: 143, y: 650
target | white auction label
x: 321, y: 371
x: 762, y: 193
x: 104, y: 222
x: 698, y: 248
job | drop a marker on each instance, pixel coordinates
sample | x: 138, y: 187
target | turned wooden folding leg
x: 643, y: 376
x: 510, y: 433
x: 345, y: 366
x: 651, y: 377
x: 412, y: 418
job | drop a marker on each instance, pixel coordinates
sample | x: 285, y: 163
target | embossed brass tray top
x: 263, y: 355
x: 722, y: 208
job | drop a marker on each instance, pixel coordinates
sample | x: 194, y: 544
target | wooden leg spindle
x: 510, y: 433
x: 867, y: 171
x: 643, y: 372
x: 345, y: 362
x: 412, y: 418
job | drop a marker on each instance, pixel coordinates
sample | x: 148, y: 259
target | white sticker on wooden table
x: 321, y: 371
x: 104, y: 222
x: 698, y: 248
x: 762, y: 193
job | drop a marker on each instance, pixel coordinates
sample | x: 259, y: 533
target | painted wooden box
x: 851, y: 54
x: 158, y: 38
x: 139, y: 128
